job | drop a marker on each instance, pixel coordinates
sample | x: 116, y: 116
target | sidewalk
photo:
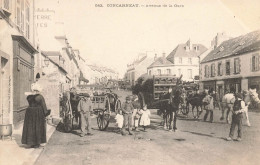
x: 13, y: 152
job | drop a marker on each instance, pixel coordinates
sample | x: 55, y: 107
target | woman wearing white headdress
x: 34, y: 128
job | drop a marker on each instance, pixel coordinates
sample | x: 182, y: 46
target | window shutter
x: 239, y: 65
x: 205, y: 71
x: 257, y: 62
x: 215, y: 70
x: 231, y: 68
x: 208, y: 72
x: 251, y: 68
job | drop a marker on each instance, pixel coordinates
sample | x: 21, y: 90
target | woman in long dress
x: 34, y: 128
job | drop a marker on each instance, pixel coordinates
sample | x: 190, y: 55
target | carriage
x: 104, y: 103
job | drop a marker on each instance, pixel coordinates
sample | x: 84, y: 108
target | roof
x: 161, y: 61
x: 180, y: 51
x: 235, y: 46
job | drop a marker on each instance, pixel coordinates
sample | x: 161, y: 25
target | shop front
x: 209, y: 85
x: 23, y: 64
x: 233, y: 85
x: 254, y: 82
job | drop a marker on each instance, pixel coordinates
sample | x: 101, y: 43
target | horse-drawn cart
x: 103, y: 105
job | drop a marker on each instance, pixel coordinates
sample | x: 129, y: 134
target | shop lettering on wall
x: 43, y: 16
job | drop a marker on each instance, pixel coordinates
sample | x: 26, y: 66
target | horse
x: 229, y: 99
x: 195, y: 100
x: 169, y: 105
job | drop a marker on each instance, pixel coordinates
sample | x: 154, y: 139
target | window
x: 27, y: 21
x: 159, y: 71
x: 220, y: 70
x: 180, y: 60
x: 22, y: 15
x: 255, y: 62
x: 150, y: 72
x: 189, y: 73
x: 7, y: 5
x: 168, y: 71
x: 179, y: 70
x: 206, y: 71
x: 189, y: 60
x: 227, y: 67
x: 236, y: 65
x: 18, y: 13
x: 212, y: 70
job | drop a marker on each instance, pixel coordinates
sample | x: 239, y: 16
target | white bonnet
x: 36, y: 87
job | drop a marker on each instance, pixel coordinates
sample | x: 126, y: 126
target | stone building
x: 183, y: 60
x: 233, y: 65
x: 17, y: 49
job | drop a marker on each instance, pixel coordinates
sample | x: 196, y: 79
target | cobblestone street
x: 195, y: 142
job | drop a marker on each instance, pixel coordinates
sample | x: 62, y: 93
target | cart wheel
x: 117, y: 106
x: 103, y: 120
x: 186, y: 109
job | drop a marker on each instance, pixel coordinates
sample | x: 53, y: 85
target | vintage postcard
x: 133, y: 82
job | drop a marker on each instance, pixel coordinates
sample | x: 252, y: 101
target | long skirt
x: 34, y: 128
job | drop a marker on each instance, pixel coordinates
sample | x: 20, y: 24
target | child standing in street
x: 208, y: 100
x: 145, y: 118
x: 127, y: 109
x: 85, y: 108
x: 238, y: 109
x: 119, y: 120
x: 136, y: 115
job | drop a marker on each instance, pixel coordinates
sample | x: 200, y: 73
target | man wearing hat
x: 85, y: 108
x: 127, y: 109
x: 237, y: 116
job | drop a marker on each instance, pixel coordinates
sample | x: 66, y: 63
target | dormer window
x: 221, y: 48
x: 241, y: 43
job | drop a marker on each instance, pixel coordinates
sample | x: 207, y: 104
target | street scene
x: 129, y: 82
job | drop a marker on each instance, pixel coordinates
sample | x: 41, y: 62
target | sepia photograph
x: 129, y: 82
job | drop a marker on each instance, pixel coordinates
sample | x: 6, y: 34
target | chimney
x: 164, y: 59
x: 155, y: 56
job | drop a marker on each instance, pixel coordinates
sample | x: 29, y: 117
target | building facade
x: 183, y: 60
x: 233, y: 66
x: 139, y: 66
x: 17, y: 49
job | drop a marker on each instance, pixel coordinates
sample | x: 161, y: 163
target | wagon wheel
x: 186, y: 109
x: 104, y: 116
x: 117, y: 106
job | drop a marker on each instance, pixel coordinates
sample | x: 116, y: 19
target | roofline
x: 227, y: 56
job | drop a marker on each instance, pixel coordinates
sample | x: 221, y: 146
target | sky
x: 114, y: 37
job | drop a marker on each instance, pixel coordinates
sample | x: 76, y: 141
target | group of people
x: 132, y: 115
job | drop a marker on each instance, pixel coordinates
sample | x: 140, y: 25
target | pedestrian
x: 208, y: 100
x: 119, y: 120
x: 136, y: 113
x: 145, y: 117
x: 74, y: 100
x: 127, y: 109
x: 238, y: 109
x: 85, y: 108
x: 34, y: 128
